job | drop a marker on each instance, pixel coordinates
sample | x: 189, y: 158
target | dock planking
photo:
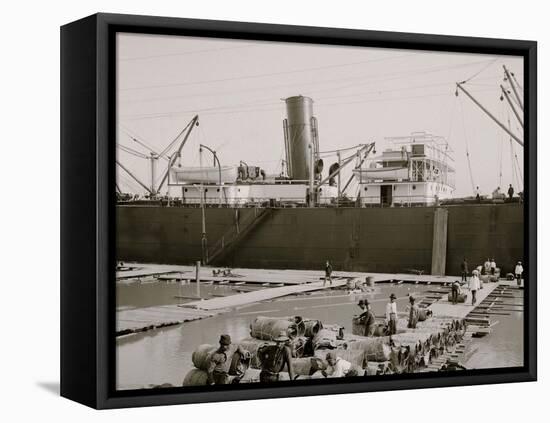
x: 142, y: 319
x: 273, y: 276
x: 262, y: 295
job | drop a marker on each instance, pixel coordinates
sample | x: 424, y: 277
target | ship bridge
x: 415, y: 170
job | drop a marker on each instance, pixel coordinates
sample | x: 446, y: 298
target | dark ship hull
x: 392, y: 240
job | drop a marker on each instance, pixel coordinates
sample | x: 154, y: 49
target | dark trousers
x: 474, y: 299
x: 267, y: 377
x: 220, y: 378
x: 492, y: 270
x: 392, y: 325
x: 454, y: 296
x: 464, y: 276
x: 518, y: 278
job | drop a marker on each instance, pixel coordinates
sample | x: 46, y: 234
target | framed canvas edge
x: 107, y: 25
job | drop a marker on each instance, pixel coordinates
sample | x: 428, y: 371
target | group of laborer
x: 497, y: 194
x: 475, y: 282
x: 368, y: 319
x: 273, y: 359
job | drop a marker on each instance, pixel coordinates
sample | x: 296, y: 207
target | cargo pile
x: 310, y: 341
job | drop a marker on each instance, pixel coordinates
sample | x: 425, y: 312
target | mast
x: 488, y: 113
x: 194, y: 122
x: 511, y: 81
x: 511, y: 105
x: 134, y: 177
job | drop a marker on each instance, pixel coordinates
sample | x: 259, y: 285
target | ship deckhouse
x: 415, y: 170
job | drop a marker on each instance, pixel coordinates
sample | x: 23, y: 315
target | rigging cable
x: 467, y: 147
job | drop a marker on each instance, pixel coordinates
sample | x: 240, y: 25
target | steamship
x: 242, y: 217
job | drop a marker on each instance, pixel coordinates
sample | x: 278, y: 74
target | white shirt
x: 493, y: 265
x: 474, y: 283
x: 519, y: 269
x: 391, y: 308
x: 340, y: 368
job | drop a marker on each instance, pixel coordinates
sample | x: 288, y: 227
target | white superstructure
x: 416, y: 169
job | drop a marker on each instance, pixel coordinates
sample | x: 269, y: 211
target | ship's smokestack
x: 300, y: 131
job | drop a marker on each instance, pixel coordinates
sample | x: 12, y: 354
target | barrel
x: 370, y: 281
x: 312, y: 328
x: 201, y: 356
x: 461, y: 297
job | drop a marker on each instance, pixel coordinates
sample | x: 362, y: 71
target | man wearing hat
x: 413, y: 313
x: 391, y: 315
x: 273, y: 359
x: 217, y: 368
x: 367, y: 317
x: 518, y: 271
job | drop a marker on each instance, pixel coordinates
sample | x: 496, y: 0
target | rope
x: 481, y: 70
x: 467, y: 147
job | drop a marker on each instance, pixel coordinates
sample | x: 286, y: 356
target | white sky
x: 360, y: 95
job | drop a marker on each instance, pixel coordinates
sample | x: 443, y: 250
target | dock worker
x: 273, y: 359
x: 367, y: 317
x: 518, y: 271
x: 493, y: 266
x: 455, y: 291
x: 217, y: 369
x: 477, y: 193
x: 474, y: 285
x: 338, y: 367
x: 391, y: 315
x: 328, y: 273
x: 510, y: 192
x: 464, y: 269
x: 413, y: 313
x: 487, y: 267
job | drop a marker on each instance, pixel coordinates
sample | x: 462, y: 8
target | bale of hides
x: 312, y: 328
x: 201, y: 356
x: 375, y: 349
x: 357, y: 326
x: 461, y: 297
x: 269, y: 328
x: 252, y: 345
x: 325, y: 338
x: 195, y: 377
x: 307, y: 366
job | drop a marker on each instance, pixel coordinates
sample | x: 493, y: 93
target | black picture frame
x: 88, y: 206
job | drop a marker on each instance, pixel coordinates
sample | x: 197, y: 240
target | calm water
x: 164, y: 355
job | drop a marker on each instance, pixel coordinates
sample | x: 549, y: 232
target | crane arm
x: 134, y: 177
x: 194, y: 122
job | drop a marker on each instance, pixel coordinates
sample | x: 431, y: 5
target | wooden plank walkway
x: 444, y: 308
x: 275, y: 276
x: 143, y: 319
x: 261, y: 295
x: 142, y: 273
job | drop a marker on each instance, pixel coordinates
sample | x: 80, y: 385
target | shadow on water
x: 51, y: 387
